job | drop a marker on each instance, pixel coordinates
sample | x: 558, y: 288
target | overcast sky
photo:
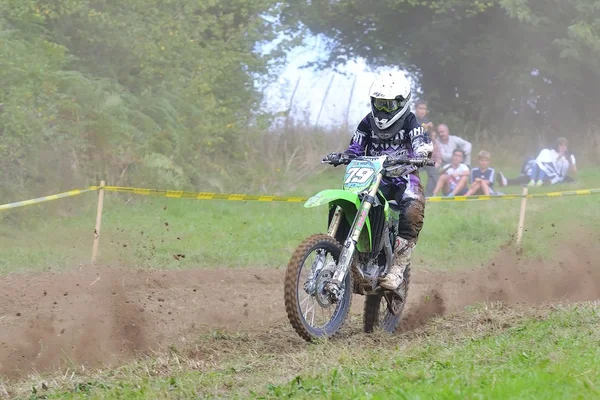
x: 310, y: 95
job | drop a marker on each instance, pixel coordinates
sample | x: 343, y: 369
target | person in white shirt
x: 454, y: 180
x: 553, y: 165
x: 448, y: 143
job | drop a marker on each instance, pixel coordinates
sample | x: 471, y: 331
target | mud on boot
x: 393, y: 279
x: 402, y: 252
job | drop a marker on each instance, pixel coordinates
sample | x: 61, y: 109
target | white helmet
x: 390, y: 95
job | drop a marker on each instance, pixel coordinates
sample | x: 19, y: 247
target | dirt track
x: 104, y: 316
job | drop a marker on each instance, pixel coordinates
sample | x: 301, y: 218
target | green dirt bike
x: 349, y: 258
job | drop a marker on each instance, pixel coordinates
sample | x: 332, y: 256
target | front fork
x: 335, y: 222
x: 334, y: 287
x: 310, y: 286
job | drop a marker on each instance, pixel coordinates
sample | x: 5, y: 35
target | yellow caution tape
x: 565, y: 193
x: 284, y: 199
x: 514, y: 196
x: 473, y: 198
x: 298, y: 199
x: 44, y: 199
x: 203, y: 195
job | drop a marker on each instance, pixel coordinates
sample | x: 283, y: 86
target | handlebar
x: 417, y: 162
x: 345, y: 158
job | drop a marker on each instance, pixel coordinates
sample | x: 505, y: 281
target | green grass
x: 152, y: 232
x: 489, y: 352
x: 553, y: 358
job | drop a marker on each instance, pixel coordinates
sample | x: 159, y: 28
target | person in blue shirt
x: 482, y: 178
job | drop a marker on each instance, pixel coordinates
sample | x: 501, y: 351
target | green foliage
x: 136, y: 90
x: 565, y: 37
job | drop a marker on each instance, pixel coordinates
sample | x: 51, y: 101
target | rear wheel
x: 309, y: 309
x: 377, y: 312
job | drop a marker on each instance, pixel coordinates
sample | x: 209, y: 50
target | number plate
x: 359, y: 175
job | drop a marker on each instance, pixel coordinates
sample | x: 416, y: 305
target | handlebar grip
x: 344, y: 158
x: 417, y: 162
x: 422, y: 163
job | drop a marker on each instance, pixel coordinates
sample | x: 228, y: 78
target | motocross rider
x: 391, y: 128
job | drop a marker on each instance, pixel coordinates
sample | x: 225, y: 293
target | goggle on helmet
x: 389, y: 105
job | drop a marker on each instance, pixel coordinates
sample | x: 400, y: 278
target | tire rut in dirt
x: 102, y: 316
x: 292, y: 278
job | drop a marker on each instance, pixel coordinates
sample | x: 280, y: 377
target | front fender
x: 350, y: 203
x: 328, y: 195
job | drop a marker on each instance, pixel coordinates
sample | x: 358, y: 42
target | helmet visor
x: 388, y: 105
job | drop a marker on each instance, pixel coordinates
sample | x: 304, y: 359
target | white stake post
x: 98, y: 223
x: 522, y: 218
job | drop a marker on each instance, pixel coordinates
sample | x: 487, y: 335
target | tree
x: 511, y: 63
x: 139, y: 89
x: 565, y: 36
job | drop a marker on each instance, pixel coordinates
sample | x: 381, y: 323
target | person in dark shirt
x: 482, y: 178
x: 433, y: 172
x: 421, y: 112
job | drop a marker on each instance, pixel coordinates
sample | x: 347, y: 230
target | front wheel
x: 377, y: 310
x: 310, y: 311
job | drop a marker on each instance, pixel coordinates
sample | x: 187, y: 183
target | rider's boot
x: 402, y: 253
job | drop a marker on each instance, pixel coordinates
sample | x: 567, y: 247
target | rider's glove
x: 334, y: 158
x: 424, y: 151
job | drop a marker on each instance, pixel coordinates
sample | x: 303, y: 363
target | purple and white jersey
x: 410, y: 140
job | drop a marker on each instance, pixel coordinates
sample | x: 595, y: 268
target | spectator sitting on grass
x: 551, y: 166
x: 523, y: 178
x: 453, y: 182
x: 448, y: 143
x: 482, y: 178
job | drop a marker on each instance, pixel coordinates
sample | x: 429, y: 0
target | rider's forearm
x: 355, y: 149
